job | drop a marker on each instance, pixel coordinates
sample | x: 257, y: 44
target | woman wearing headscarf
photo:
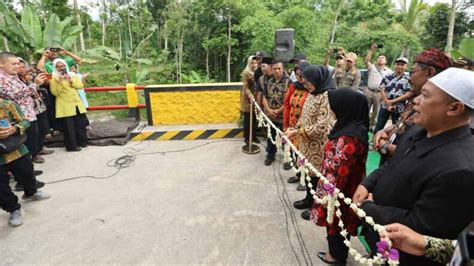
x: 294, y: 101
x: 345, y: 155
x: 248, y: 92
x: 314, y: 125
x: 69, y: 107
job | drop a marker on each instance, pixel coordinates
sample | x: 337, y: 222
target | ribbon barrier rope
x: 385, y: 252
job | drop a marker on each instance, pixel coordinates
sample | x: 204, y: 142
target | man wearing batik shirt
x: 393, y: 87
x: 273, y: 103
x: 13, y: 89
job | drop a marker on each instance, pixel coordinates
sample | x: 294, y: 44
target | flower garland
x: 385, y: 252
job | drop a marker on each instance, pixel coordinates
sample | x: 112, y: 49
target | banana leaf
x: 52, y: 32
x: 31, y: 24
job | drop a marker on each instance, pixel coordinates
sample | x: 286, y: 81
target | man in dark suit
x: 428, y: 185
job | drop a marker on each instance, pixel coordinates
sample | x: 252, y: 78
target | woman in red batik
x: 345, y: 155
x: 294, y: 101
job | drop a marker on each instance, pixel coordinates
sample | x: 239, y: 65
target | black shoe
x: 83, y: 146
x: 301, y: 187
x: 305, y: 215
x: 302, y: 204
x: 322, y: 256
x: 286, y: 166
x: 19, y: 187
x: 76, y: 149
x: 293, y: 179
x: 256, y: 140
x: 38, y: 172
x: 268, y: 162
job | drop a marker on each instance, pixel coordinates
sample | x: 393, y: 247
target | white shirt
x: 375, y: 76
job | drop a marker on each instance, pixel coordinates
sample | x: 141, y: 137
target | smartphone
x: 54, y: 50
x: 64, y: 72
x: 49, y: 76
x: 4, y: 123
x: 379, y: 45
x: 335, y: 50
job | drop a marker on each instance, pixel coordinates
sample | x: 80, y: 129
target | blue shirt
x: 395, y: 87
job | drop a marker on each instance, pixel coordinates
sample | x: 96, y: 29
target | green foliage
x: 466, y: 48
x: 435, y: 34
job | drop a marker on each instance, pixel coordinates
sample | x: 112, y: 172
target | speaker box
x: 284, y: 44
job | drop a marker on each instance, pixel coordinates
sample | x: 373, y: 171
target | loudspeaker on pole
x: 284, y: 44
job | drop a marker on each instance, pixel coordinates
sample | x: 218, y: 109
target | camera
x: 54, y: 50
x: 64, y: 72
x: 335, y: 50
x: 379, y: 45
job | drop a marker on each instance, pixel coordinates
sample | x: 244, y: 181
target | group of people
x: 427, y: 169
x: 37, y: 102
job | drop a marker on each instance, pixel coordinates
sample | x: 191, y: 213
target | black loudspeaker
x: 284, y: 44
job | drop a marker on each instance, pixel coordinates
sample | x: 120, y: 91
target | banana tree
x: 27, y: 33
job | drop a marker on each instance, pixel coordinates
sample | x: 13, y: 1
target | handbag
x: 12, y: 143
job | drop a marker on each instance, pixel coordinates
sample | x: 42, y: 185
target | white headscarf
x: 248, y: 69
x: 56, y: 73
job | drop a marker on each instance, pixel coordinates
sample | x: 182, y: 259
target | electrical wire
x: 128, y: 160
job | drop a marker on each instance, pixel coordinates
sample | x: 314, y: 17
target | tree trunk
x: 5, y: 44
x: 104, y: 23
x: 81, y: 35
x: 452, y: 18
x: 130, y: 31
x: 334, y: 26
x: 229, y: 47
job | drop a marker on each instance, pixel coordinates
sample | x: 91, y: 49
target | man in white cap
x: 429, y: 182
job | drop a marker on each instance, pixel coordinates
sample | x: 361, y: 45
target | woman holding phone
x: 69, y: 107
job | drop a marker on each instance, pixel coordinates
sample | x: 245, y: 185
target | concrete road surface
x: 209, y: 205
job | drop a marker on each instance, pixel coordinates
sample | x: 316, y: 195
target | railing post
x: 132, y: 100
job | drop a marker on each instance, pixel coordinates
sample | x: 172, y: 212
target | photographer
x: 376, y: 73
x: 27, y: 75
x: 51, y: 53
x: 69, y: 108
x: 340, y: 60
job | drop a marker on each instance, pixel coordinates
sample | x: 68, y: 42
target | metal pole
x: 251, y: 148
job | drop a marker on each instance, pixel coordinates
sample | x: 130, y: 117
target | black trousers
x: 74, y: 130
x: 271, y: 148
x: 50, y: 101
x: 43, y: 129
x: 314, y: 182
x: 337, y: 248
x: 22, y: 169
x: 32, y: 133
x: 247, y: 126
x: 383, y: 117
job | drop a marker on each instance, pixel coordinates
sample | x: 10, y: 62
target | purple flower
x: 393, y: 254
x: 283, y: 140
x: 302, y: 161
x: 384, y: 249
x: 329, y: 188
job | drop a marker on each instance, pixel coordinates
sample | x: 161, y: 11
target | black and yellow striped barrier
x: 188, y: 134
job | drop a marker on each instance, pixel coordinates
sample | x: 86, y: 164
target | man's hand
x: 46, y: 53
x: 63, y: 51
x: 329, y: 51
x: 6, y: 132
x: 380, y: 138
x: 360, y: 195
x: 40, y: 79
x: 373, y: 46
x: 405, y: 239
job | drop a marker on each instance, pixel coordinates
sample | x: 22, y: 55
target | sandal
x: 322, y: 256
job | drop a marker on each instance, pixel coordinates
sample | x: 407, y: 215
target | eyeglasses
x: 414, y: 71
